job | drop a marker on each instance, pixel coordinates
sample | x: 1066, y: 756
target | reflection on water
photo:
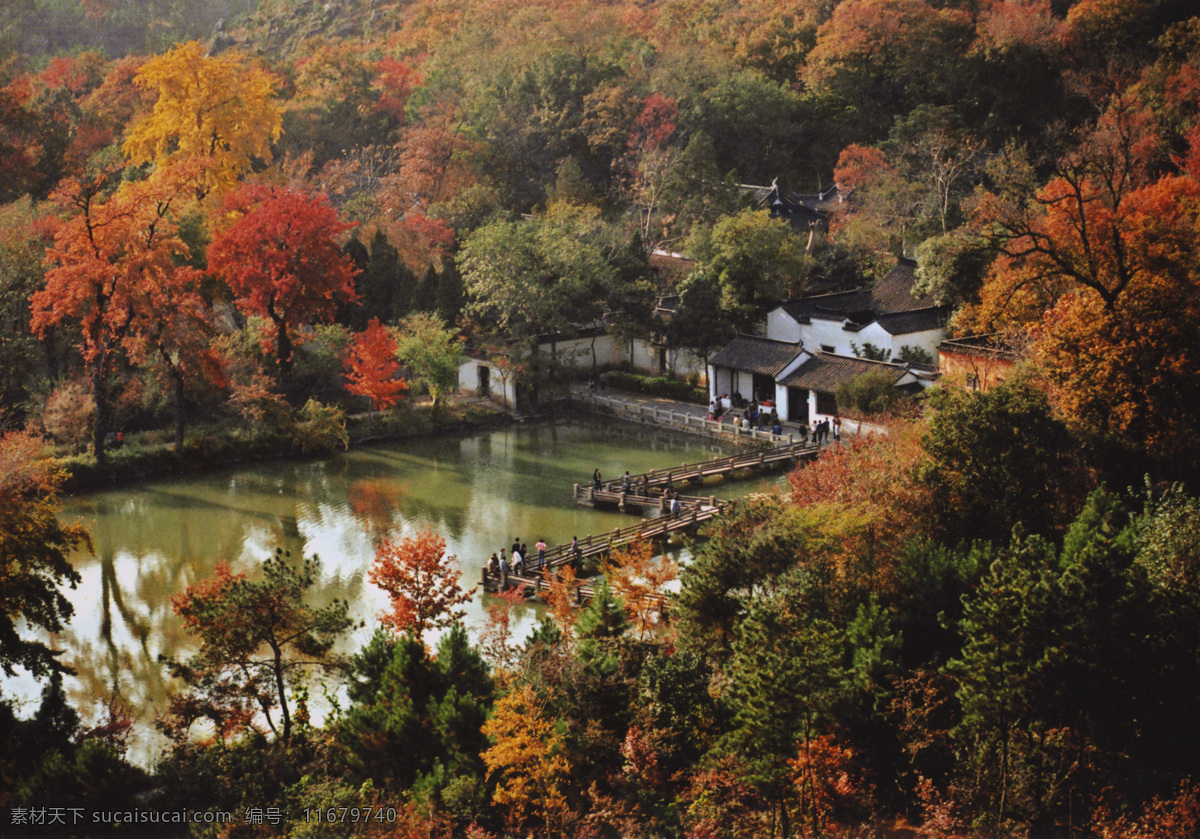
x: 153, y: 540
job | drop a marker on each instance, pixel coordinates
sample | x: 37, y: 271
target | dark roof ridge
x: 740, y: 334
x: 899, y: 364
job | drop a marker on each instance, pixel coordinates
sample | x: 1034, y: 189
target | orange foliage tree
x: 372, y: 367
x: 561, y: 599
x: 422, y: 582
x: 281, y: 259
x: 825, y: 777
x: 527, y: 762
x: 496, y: 636
x: 1100, y: 265
x: 870, y: 486
x: 113, y: 269
x: 639, y: 575
x: 255, y: 638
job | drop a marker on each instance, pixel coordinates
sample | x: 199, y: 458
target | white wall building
x: 813, y: 343
x: 888, y: 317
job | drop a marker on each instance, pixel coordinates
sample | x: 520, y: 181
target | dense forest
x: 249, y: 221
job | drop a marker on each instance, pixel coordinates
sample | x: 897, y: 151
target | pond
x: 479, y: 491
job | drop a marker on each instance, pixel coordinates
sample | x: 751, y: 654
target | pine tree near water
x: 35, y: 546
x: 256, y: 638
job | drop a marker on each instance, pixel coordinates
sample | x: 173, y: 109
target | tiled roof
x: 756, y: 355
x: 825, y: 371
x: 837, y: 306
x: 890, y: 302
x: 894, y: 293
x: 906, y: 323
x: 980, y: 346
x: 799, y: 210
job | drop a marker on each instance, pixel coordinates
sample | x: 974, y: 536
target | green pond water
x: 153, y: 539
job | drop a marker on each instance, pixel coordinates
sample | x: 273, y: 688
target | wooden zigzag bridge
x: 651, y: 490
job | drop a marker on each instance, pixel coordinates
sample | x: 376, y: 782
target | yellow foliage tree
x: 216, y: 108
x: 527, y: 762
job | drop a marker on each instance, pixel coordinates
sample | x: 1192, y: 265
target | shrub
x: 869, y: 394
x: 657, y: 386
x: 68, y: 414
x: 320, y: 427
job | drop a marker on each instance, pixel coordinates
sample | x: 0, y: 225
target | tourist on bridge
x: 518, y: 562
x: 626, y: 483
x: 645, y: 485
x: 504, y: 566
x: 575, y: 552
x: 676, y: 508
x: 493, y: 566
x: 541, y: 551
x: 596, y: 482
x: 777, y: 428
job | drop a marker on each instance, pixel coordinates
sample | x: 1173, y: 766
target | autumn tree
x: 217, y: 108
x: 256, y: 638
x: 881, y: 58
x: 114, y: 270
x: 640, y: 576
x: 422, y: 582
x: 35, y: 548
x: 527, y: 762
x: 281, y: 259
x: 1098, y: 262
x: 372, y: 369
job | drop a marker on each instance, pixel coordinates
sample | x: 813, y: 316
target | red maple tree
x: 421, y: 581
x: 281, y: 259
x: 371, y: 366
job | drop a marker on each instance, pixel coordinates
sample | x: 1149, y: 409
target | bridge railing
x: 666, y: 418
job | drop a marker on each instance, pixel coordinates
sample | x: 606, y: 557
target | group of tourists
x: 821, y: 431
x: 753, y: 416
x: 518, y: 561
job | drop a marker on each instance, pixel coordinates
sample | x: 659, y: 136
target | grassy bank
x: 151, y: 454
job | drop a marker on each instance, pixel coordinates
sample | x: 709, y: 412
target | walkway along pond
x: 655, y: 488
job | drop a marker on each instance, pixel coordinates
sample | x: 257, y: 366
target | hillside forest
x: 233, y: 226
